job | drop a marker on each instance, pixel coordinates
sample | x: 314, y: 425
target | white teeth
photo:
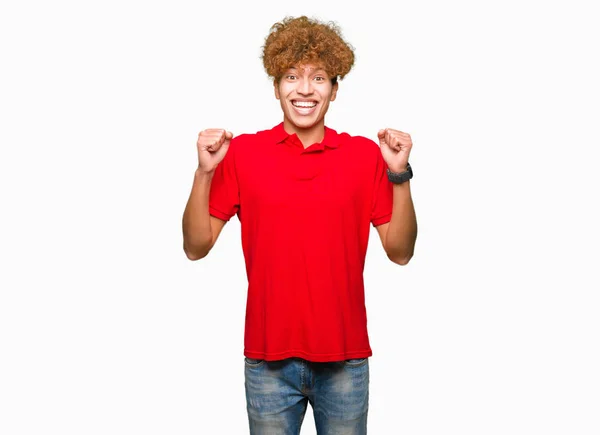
x: 304, y: 103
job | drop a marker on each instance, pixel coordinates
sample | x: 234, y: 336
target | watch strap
x: 400, y: 177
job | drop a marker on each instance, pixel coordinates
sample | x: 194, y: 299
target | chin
x: 304, y: 123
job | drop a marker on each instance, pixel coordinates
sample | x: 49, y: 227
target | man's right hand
x: 212, y: 145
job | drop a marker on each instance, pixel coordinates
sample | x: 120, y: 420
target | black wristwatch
x: 400, y: 177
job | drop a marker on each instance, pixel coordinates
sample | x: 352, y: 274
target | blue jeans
x: 277, y: 394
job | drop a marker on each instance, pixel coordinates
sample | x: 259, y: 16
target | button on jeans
x: 278, y: 392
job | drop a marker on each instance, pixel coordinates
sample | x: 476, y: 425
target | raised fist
x: 212, y: 145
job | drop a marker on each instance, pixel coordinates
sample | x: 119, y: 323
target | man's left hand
x: 395, y: 147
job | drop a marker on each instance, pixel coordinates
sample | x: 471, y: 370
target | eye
x: 319, y: 78
x: 290, y: 77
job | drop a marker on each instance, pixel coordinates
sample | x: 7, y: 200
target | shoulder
x: 241, y: 144
x: 247, y: 139
x: 364, y: 142
x: 360, y: 144
x: 363, y: 154
x: 241, y: 139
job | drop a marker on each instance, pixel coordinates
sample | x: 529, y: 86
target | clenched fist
x: 395, y: 147
x: 212, y: 144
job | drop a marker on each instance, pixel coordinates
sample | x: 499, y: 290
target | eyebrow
x: 314, y: 71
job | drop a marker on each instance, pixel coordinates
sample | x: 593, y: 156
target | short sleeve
x: 383, y: 194
x: 224, y: 198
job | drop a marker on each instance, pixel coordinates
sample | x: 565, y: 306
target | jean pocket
x: 356, y: 362
x: 252, y: 362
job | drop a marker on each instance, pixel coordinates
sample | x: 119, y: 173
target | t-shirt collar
x: 330, y: 140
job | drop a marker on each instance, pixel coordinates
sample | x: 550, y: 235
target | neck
x: 307, y: 136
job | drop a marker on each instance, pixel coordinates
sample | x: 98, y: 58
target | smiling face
x: 305, y: 92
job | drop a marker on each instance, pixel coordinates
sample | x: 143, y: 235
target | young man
x: 305, y: 196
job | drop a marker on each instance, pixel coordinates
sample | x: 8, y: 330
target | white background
x: 107, y: 328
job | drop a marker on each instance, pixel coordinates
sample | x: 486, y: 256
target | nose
x: 304, y: 87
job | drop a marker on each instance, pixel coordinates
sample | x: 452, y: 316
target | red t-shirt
x: 305, y: 219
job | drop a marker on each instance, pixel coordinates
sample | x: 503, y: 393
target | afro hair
x: 302, y: 41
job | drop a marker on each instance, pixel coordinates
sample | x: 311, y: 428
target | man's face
x: 304, y: 92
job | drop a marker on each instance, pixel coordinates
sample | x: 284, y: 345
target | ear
x: 276, y: 86
x: 334, y: 92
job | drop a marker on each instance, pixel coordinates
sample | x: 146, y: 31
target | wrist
x: 202, y: 175
x: 398, y: 168
x: 399, y: 175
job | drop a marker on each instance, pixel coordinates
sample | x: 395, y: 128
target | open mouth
x: 304, y: 104
x: 305, y: 108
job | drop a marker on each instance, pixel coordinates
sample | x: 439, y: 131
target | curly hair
x: 302, y: 40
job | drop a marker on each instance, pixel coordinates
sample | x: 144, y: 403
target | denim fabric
x: 278, y: 392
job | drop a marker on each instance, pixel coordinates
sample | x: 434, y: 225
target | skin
x: 306, y: 83
x: 400, y: 234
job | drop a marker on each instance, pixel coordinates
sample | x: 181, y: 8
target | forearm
x: 197, y: 234
x: 402, y: 231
